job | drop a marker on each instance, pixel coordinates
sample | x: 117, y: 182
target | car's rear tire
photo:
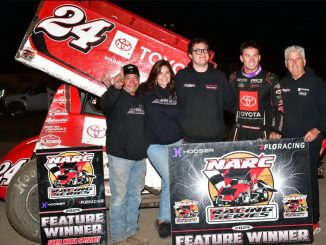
x: 22, y: 203
x: 16, y: 110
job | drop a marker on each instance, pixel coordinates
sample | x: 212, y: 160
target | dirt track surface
x: 14, y: 131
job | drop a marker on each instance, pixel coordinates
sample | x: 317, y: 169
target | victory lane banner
x: 71, y: 196
x: 245, y: 192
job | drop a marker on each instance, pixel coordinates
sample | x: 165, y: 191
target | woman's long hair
x: 148, y: 86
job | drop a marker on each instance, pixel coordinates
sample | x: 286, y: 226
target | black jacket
x: 162, y: 125
x: 304, y: 104
x: 125, y: 118
x: 265, y: 107
x: 202, y: 97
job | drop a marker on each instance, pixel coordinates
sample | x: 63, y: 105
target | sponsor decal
x: 282, y: 146
x: 242, y: 80
x: 58, y: 111
x: 186, y: 212
x: 303, y: 91
x: 211, y: 86
x: 248, y: 101
x: 286, y: 90
x: 94, y: 131
x: 180, y: 151
x: 123, y: 44
x: 189, y: 85
x: 54, y: 128
x: 28, y: 54
x: 60, y: 100
x: 256, y: 80
x: 45, y: 204
x: 51, y: 120
x: 50, y: 140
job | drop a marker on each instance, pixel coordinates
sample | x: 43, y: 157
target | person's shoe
x: 120, y: 243
x: 316, y: 228
x: 164, y: 229
x: 137, y: 239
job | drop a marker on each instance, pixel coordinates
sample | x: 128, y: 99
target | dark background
x: 225, y: 24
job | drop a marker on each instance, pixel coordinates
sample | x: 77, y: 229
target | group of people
x: 143, y: 120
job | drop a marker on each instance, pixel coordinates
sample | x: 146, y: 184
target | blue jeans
x: 127, y: 180
x: 158, y: 156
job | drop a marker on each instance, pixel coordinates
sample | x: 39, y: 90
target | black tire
x: 22, y: 203
x: 16, y: 110
x: 264, y: 195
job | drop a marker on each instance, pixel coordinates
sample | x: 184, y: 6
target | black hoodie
x: 125, y: 118
x: 304, y: 104
x: 202, y: 97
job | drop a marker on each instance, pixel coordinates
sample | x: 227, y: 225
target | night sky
x: 225, y: 24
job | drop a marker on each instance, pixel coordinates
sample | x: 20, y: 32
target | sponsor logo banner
x: 245, y: 192
x: 71, y: 196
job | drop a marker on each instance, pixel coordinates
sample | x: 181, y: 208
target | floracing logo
x: 71, y: 174
x: 123, y: 44
x: 295, y: 206
x: 241, y: 187
x: 186, y: 211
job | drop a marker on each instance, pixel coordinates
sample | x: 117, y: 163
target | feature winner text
x: 73, y: 225
x: 252, y: 237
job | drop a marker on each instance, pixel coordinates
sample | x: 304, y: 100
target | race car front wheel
x: 22, y: 203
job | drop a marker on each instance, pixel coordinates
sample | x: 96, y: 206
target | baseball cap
x: 130, y: 69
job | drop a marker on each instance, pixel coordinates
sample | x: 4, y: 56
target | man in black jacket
x: 305, y: 113
x: 203, y: 94
x: 126, y: 148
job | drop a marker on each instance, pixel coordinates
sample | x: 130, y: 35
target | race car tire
x: 264, y: 196
x: 22, y: 203
x: 16, y: 110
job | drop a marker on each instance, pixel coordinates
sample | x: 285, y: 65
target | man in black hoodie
x: 305, y: 113
x: 203, y: 94
x: 126, y: 148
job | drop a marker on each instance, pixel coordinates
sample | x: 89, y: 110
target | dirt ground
x: 13, y: 131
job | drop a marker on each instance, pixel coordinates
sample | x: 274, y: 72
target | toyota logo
x: 248, y: 101
x: 96, y: 131
x: 123, y: 44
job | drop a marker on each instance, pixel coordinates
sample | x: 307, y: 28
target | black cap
x: 130, y: 69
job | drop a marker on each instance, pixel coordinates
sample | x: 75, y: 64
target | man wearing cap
x: 126, y: 148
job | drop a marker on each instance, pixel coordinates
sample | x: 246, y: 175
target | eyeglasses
x: 200, y: 51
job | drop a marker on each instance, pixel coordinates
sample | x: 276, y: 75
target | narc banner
x: 71, y: 196
x: 245, y: 192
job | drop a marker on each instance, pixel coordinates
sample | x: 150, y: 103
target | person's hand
x: 118, y: 81
x: 275, y: 136
x: 311, y: 135
x: 107, y: 79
